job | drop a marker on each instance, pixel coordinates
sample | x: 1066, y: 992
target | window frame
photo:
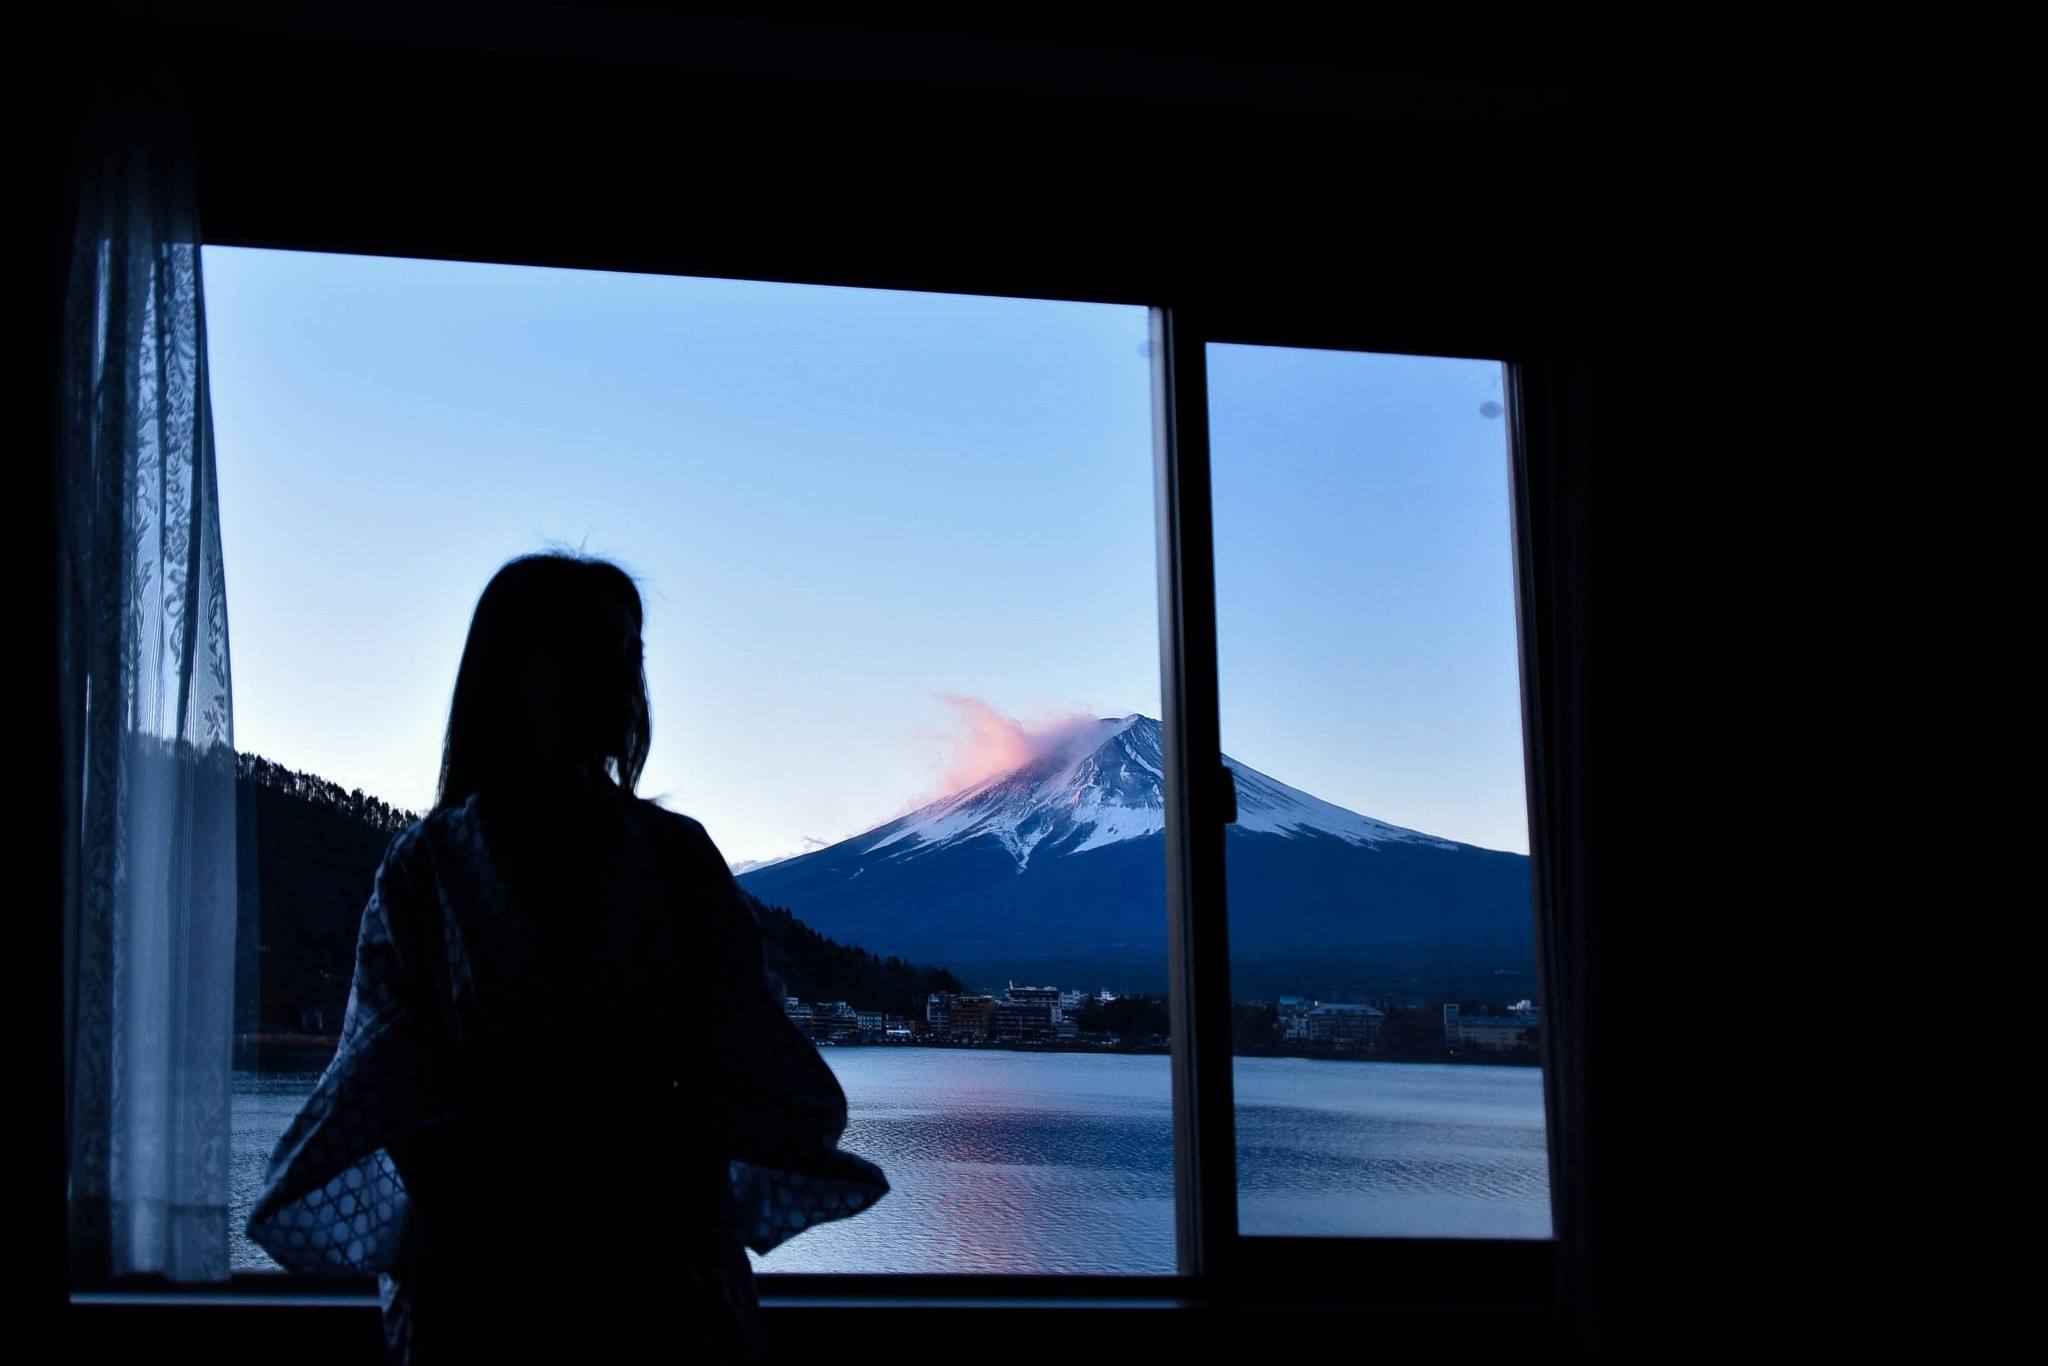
x: 1215, y: 1267
x: 1215, y: 1258
x: 1213, y: 1247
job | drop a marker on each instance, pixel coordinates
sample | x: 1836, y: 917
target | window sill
x: 270, y: 1318
x: 1406, y: 1273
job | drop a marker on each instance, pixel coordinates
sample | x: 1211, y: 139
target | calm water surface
x: 1063, y: 1162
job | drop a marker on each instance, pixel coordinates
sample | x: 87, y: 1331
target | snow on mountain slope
x: 1055, y: 869
x: 1103, y: 787
x: 1271, y: 806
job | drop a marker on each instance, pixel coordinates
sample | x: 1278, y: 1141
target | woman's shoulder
x: 673, y: 822
x: 444, y: 825
x: 442, y: 834
x: 674, y: 829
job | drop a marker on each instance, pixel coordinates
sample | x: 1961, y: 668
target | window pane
x: 897, y: 551
x: 1382, y: 946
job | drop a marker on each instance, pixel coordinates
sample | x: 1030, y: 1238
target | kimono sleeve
x: 333, y: 1203
x: 780, y: 1109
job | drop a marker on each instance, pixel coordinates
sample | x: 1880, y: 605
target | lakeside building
x: 834, y: 1022
x: 839, y: 1022
x: 1344, y: 1025
x: 1023, y: 1014
x: 1030, y: 1014
x: 1046, y: 1015
x: 973, y: 1016
x: 1517, y: 1029
x: 1022, y: 1020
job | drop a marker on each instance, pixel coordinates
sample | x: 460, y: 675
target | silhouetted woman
x: 567, y: 1095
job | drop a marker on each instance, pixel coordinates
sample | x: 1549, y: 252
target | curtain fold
x: 147, y: 719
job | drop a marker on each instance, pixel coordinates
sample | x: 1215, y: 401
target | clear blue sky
x: 1365, y: 613
x: 845, y: 506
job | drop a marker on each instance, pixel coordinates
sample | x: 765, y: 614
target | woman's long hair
x: 550, y: 681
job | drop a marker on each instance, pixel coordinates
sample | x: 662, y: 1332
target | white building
x: 1345, y: 1025
x: 1492, y: 1032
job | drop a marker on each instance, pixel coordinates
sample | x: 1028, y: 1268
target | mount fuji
x: 1055, y: 871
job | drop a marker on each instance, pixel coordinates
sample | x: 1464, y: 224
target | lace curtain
x: 147, y: 722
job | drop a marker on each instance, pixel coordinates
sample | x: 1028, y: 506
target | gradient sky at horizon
x: 857, y: 516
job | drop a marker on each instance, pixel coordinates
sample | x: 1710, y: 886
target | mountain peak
x: 1053, y: 870
x: 1101, y: 785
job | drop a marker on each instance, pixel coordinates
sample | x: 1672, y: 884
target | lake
x: 1017, y: 1162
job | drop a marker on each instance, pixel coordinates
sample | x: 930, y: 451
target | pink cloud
x: 983, y: 742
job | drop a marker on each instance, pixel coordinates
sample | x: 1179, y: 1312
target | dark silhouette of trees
x: 275, y: 777
x: 816, y: 968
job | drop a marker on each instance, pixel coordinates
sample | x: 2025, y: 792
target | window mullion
x: 1540, y: 557
x: 1198, y: 948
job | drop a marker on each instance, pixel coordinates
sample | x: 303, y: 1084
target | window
x: 897, y: 551
x: 1383, y: 961
x: 386, y: 198
x: 899, y: 561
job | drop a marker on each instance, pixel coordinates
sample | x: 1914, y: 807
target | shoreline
x: 303, y: 1053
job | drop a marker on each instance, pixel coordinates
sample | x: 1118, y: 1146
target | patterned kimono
x: 567, y: 1095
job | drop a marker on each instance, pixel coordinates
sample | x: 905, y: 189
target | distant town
x: 1049, y: 1017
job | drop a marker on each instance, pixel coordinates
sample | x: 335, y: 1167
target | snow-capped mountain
x: 1097, y: 788
x: 1102, y: 787
x: 1058, y: 867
